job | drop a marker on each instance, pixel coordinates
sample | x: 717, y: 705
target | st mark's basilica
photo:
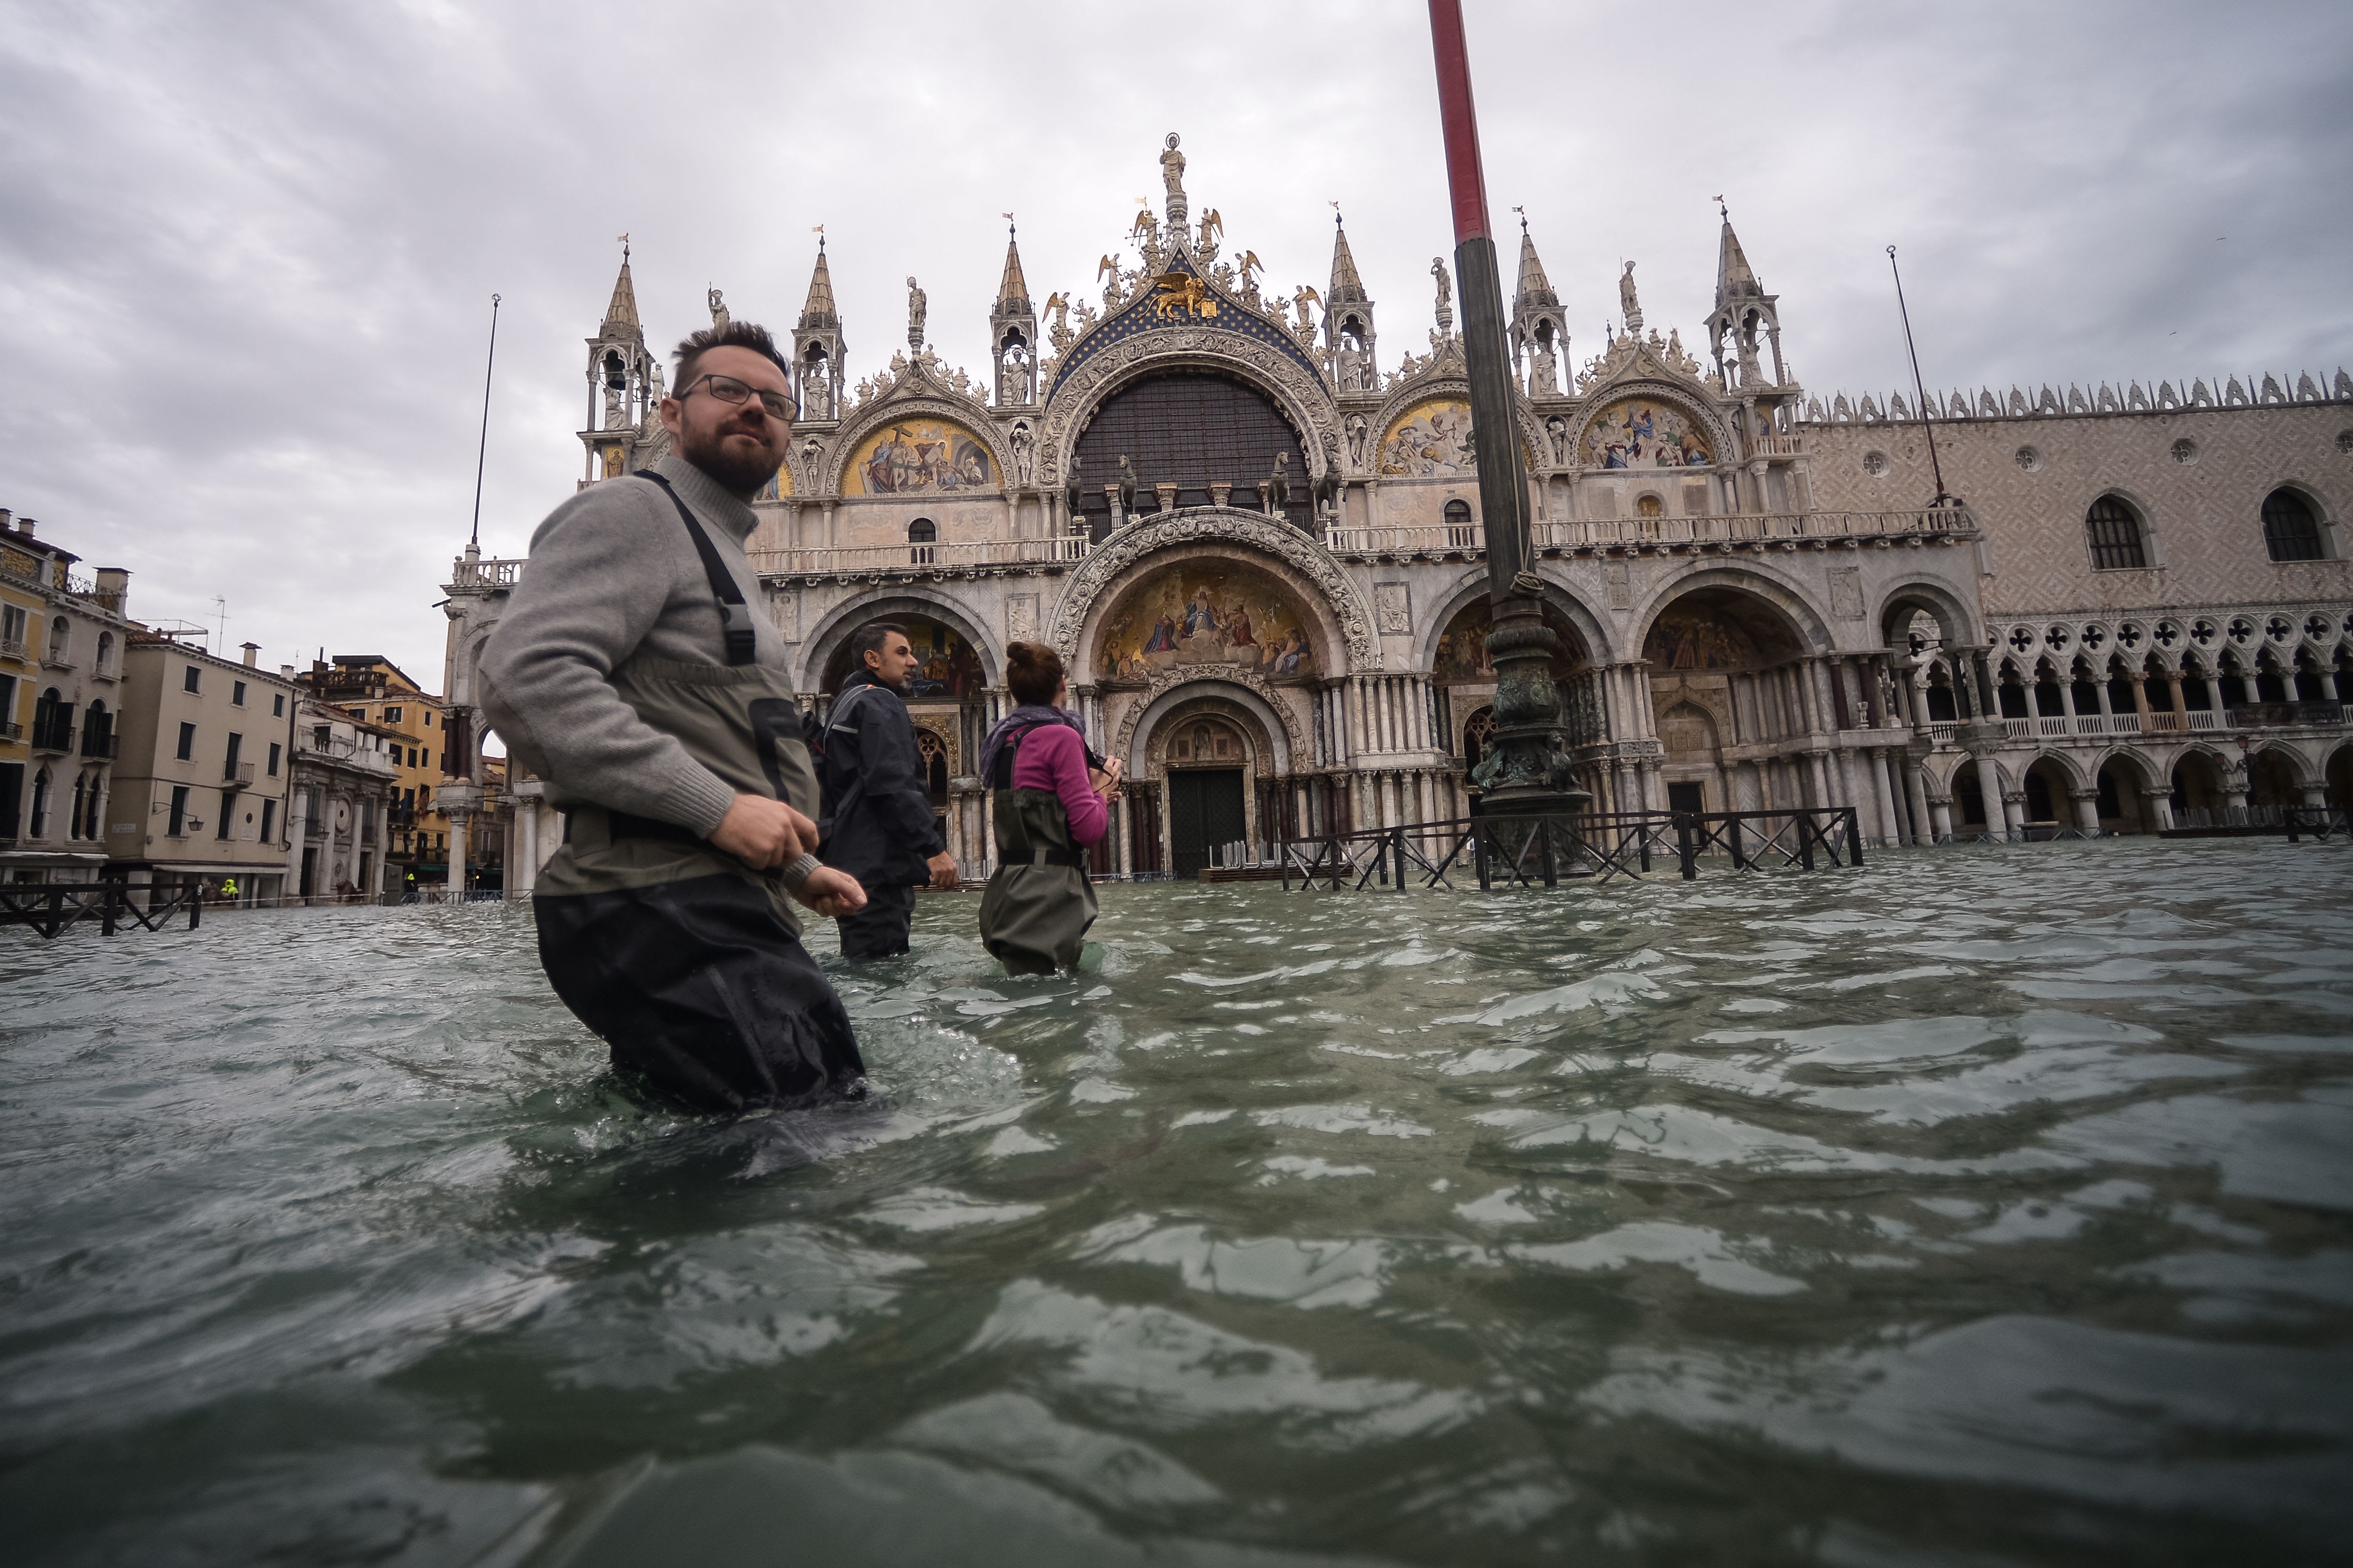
x: 1254, y: 536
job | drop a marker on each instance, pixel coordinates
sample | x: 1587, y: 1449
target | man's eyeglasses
x: 727, y: 389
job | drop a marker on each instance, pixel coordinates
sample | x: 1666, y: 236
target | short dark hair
x: 734, y: 335
x: 1033, y: 673
x: 868, y: 638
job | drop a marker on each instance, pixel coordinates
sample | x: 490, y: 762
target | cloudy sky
x: 247, y: 251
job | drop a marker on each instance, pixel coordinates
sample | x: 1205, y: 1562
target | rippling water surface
x: 1977, y: 1207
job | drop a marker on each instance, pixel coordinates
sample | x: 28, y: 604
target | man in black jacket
x: 879, y: 824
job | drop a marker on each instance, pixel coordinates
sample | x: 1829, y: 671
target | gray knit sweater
x: 613, y: 574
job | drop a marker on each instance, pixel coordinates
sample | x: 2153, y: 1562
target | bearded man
x: 636, y: 671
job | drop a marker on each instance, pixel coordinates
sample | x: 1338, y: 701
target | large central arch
x: 1107, y: 568
x: 1192, y: 427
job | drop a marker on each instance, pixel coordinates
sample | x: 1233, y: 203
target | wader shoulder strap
x: 735, y: 616
x: 834, y: 812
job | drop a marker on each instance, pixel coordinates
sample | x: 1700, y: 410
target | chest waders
x: 1035, y: 915
x: 686, y: 960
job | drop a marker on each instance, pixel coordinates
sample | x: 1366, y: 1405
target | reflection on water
x: 1983, y: 1207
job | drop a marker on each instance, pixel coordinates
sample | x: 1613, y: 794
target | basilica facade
x: 1255, y: 539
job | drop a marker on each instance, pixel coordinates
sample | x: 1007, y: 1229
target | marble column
x: 1891, y: 830
x: 2156, y: 808
x: 1940, y: 818
x: 1915, y: 794
x: 1989, y: 795
x: 2087, y: 810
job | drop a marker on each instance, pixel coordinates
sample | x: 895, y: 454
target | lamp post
x: 1526, y: 769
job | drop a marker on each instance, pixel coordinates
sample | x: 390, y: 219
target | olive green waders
x: 1035, y: 915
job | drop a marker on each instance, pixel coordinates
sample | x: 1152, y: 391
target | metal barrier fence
x: 50, y: 909
x: 1532, y: 851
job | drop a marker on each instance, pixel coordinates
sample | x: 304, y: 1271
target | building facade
x: 1259, y: 550
x: 371, y: 688
x: 62, y: 638
x: 346, y: 790
x: 200, y: 784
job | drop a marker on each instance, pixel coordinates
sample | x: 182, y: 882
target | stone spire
x: 1535, y: 289
x: 1735, y: 279
x: 1013, y: 332
x: 1345, y: 284
x: 817, y: 347
x: 1012, y: 290
x: 1349, y: 340
x: 1742, y: 307
x: 1539, y: 335
x: 817, y: 312
x: 623, y: 310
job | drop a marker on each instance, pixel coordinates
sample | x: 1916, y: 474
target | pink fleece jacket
x: 1053, y: 757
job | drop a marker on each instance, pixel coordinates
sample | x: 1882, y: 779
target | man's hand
x: 766, y: 834
x: 943, y: 870
x: 831, y: 893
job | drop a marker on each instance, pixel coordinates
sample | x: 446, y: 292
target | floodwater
x: 1982, y: 1206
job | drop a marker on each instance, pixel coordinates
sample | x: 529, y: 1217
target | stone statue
x: 1445, y: 294
x: 1172, y: 169
x: 1357, y: 431
x: 1306, y: 328
x: 1278, y: 485
x: 1630, y: 307
x: 1351, y: 373
x: 1557, y: 429
x: 1059, y: 333
x: 1543, y: 379
x: 718, y: 308
x: 813, y: 460
x: 1023, y: 444
x: 1126, y: 487
x: 1213, y: 229
x: 1072, y: 495
x: 918, y: 306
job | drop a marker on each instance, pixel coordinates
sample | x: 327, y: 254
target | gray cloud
x: 246, y: 254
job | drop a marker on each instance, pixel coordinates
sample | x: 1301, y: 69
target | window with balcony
x: 2291, y: 527
x: 922, y: 535
x: 192, y: 680
x: 96, y: 732
x: 2115, y: 534
x: 1458, y: 524
x: 53, y: 722
x: 229, y: 762
x: 14, y: 621
x: 176, y: 824
x: 187, y: 749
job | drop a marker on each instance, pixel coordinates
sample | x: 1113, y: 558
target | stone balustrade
x: 1737, y: 531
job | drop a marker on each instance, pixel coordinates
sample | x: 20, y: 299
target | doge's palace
x: 1257, y: 545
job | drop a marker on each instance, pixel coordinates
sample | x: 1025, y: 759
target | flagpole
x: 1527, y: 770
x: 482, y: 451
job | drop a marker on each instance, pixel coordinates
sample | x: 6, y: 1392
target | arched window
x: 922, y: 535
x: 61, y: 632
x: 105, y: 652
x: 2115, y: 534
x: 2291, y: 531
x: 96, y: 732
x: 1457, y: 526
x: 40, y: 827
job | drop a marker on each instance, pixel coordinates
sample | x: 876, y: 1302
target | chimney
x: 24, y: 527
x: 114, y: 589
x: 286, y: 672
x: 4, y: 515
x: 252, y: 652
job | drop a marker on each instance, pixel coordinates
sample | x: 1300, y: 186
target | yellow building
x: 61, y: 699
x: 370, y: 686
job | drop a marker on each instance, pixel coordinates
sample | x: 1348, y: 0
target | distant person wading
x: 635, y: 670
x: 878, y: 825
x: 1051, y: 806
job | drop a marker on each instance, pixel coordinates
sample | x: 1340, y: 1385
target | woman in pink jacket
x: 1051, y: 808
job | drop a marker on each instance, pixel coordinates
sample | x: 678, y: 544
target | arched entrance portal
x: 947, y: 700
x: 1722, y: 681
x: 1192, y: 429
x: 1462, y: 677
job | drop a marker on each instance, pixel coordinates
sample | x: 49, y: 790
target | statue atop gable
x: 919, y: 307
